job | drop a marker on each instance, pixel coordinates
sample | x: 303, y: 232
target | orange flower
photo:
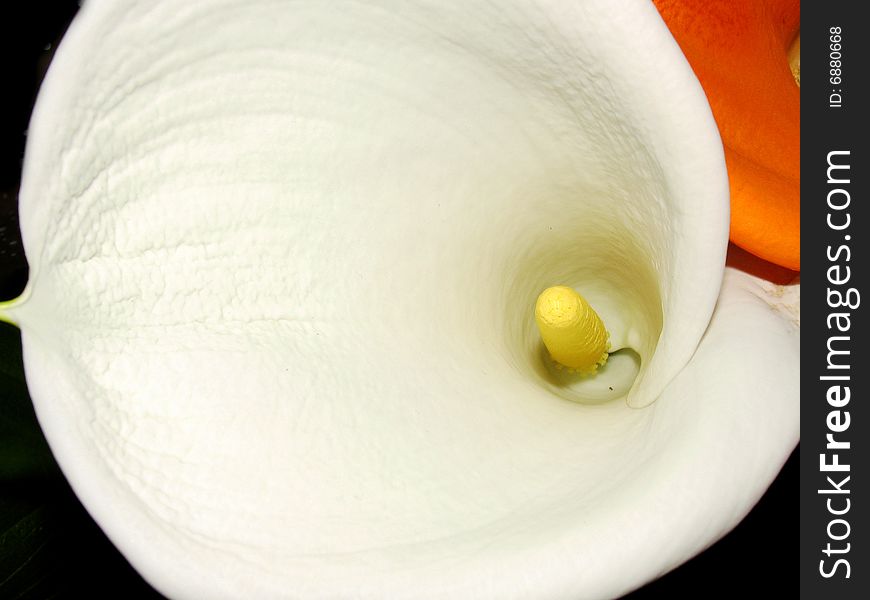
x: 739, y: 51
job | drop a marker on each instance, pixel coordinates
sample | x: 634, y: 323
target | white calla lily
x: 284, y: 259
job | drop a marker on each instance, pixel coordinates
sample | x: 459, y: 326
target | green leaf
x: 11, y: 364
x: 51, y: 548
x: 49, y: 545
x: 23, y: 450
x: 26, y: 552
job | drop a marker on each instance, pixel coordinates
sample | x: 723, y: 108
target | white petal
x: 284, y: 258
x: 439, y: 148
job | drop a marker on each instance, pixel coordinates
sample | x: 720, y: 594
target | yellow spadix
x: 571, y: 329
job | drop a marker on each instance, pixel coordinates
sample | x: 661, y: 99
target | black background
x: 73, y: 558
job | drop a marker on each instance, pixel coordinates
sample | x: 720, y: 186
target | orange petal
x: 739, y: 51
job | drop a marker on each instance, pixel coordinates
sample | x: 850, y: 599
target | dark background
x: 49, y: 546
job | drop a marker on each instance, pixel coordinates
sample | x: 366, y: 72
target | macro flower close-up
x: 404, y: 300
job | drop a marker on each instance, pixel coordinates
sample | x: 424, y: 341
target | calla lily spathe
x: 279, y: 330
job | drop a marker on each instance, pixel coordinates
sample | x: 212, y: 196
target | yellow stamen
x: 572, y: 331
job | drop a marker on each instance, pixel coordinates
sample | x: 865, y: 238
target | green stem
x: 6, y: 305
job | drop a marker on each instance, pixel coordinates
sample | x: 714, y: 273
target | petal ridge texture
x: 284, y: 258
